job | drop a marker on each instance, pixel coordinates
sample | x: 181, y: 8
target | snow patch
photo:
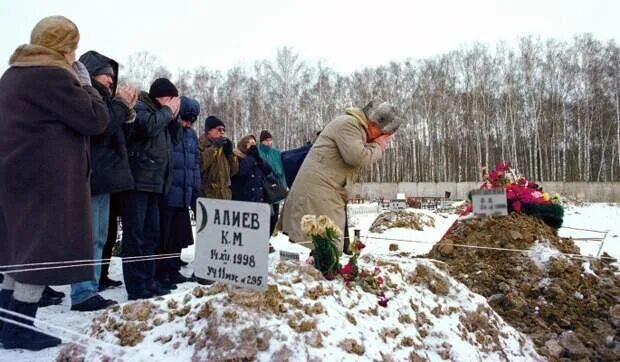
x: 540, y: 253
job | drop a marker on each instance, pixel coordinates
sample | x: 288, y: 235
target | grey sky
x: 345, y: 35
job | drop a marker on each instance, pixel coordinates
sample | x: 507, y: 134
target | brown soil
x: 567, y: 311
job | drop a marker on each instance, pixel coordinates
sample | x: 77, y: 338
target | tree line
x: 551, y: 108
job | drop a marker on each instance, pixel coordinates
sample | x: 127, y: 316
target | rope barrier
x: 576, y: 256
x: 86, y: 260
x: 83, y: 264
x: 581, y: 229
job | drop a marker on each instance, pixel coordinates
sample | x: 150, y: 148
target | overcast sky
x: 346, y: 35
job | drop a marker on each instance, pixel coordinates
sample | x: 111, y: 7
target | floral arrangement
x: 325, y: 237
x: 523, y: 195
x: 326, y: 256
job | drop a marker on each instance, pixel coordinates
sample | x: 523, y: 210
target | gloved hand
x: 82, y: 73
x: 253, y: 151
x: 227, y: 147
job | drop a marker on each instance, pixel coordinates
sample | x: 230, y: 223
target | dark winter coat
x: 185, y: 173
x: 110, y: 162
x: 247, y: 184
x: 46, y: 117
x: 292, y: 161
x: 150, y: 145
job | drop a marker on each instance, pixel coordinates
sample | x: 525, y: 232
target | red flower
x: 347, y: 269
x: 494, y: 176
x: 516, y: 206
x: 377, y: 270
x: 381, y: 294
x: 502, y: 167
x: 329, y: 276
x: 383, y: 302
x: 364, y: 274
x: 379, y: 280
x: 510, y: 194
x: 359, y: 245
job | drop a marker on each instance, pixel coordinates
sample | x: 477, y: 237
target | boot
x: 5, y: 299
x: 96, y: 302
x: 14, y: 336
x: 48, y: 291
x: 51, y: 297
x: 105, y: 283
x: 178, y: 278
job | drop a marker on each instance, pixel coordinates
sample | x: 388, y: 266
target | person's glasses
x: 220, y: 129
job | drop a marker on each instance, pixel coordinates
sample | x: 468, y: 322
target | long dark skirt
x: 176, y: 234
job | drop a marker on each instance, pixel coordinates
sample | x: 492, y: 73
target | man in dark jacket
x: 176, y: 229
x: 47, y: 111
x: 150, y: 145
x: 110, y: 166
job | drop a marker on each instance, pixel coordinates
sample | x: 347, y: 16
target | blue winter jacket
x: 185, y: 172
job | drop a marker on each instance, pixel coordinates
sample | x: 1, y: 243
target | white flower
x: 323, y: 222
x: 308, y: 225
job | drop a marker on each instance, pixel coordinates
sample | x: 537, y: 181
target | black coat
x: 186, y: 172
x: 110, y: 162
x: 45, y: 216
x: 150, y: 145
x: 248, y: 183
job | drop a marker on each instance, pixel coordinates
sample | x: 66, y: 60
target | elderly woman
x: 348, y: 143
x: 247, y: 184
x: 48, y: 108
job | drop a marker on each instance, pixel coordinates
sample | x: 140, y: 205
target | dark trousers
x: 175, y: 234
x: 140, y: 217
x: 275, y: 212
x: 115, y: 213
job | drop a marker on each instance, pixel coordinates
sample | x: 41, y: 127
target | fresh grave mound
x: 569, y: 306
x: 302, y: 316
x: 406, y: 219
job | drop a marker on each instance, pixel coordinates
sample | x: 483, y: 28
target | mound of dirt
x: 401, y: 219
x: 303, y: 317
x: 569, y: 306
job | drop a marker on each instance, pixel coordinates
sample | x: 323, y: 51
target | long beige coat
x: 324, y: 180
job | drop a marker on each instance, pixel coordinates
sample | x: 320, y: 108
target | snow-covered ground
x: 599, y: 217
x: 593, y: 216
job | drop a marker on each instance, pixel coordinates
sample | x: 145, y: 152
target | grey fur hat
x: 384, y: 114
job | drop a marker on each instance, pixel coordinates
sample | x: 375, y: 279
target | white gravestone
x: 233, y: 242
x: 489, y: 202
x: 396, y: 205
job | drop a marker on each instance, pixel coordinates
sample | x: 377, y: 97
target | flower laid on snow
x: 383, y: 301
x: 347, y: 269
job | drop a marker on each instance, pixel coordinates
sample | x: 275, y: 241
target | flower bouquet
x: 325, y: 236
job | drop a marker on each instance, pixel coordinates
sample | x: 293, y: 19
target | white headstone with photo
x: 232, y: 243
x: 489, y: 202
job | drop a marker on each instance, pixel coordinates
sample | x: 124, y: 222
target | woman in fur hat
x: 48, y: 110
